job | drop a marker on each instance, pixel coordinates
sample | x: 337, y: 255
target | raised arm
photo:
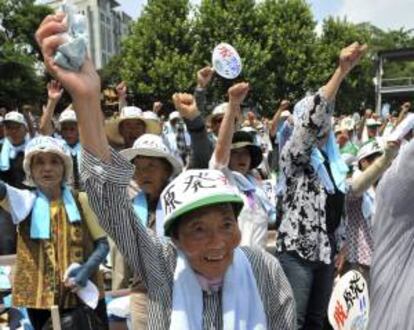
x: 121, y: 90
x: 367, y: 178
x: 54, y: 93
x: 106, y: 174
x: 284, y: 105
x: 313, y: 114
x: 237, y: 94
x: 201, y: 146
x: 204, y: 77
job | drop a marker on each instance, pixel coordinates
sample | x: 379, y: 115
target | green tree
x: 288, y: 40
x: 234, y: 22
x: 156, y: 61
x: 357, y: 91
x: 21, y: 80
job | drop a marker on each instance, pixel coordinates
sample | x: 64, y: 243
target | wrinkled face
x: 208, y: 237
x: 152, y: 175
x: 70, y: 133
x: 15, y: 132
x: 47, y: 170
x: 130, y: 130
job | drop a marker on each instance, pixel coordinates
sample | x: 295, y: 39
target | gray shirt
x: 392, y: 269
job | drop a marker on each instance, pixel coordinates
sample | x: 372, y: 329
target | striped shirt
x: 153, y: 259
x: 392, y: 268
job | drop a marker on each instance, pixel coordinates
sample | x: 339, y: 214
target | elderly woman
x: 56, y: 230
x: 199, y: 279
x: 314, y: 196
x: 155, y: 165
x: 237, y: 155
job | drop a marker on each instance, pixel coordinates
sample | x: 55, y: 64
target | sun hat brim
x: 131, y: 153
x: 67, y: 161
x: 112, y: 128
x: 212, y: 199
x: 255, y: 152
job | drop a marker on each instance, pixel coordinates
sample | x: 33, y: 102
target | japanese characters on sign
x: 349, y: 304
x: 226, y: 61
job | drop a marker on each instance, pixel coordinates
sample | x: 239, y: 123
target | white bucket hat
x: 15, y: 117
x: 151, y: 145
x: 68, y: 115
x: 131, y: 112
x: 194, y: 189
x: 369, y: 149
x: 47, y: 144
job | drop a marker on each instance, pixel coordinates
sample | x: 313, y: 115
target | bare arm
x: 54, y: 93
x: 284, y: 105
x: 237, y: 93
x: 367, y: 178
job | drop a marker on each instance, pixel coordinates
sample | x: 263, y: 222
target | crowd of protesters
x: 179, y: 208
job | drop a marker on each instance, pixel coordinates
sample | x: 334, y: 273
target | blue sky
x: 385, y: 14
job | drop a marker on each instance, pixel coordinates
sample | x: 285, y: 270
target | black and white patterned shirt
x: 154, y: 260
x: 303, y: 228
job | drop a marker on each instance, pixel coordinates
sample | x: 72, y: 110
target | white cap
x: 220, y: 109
x: 47, y: 144
x: 368, y: 149
x: 151, y: 145
x: 373, y: 122
x: 174, y: 115
x: 194, y: 189
x: 348, y: 124
x: 15, y: 117
x: 151, y: 115
x: 68, y: 115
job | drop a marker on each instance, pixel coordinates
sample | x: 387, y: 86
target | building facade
x: 106, y: 24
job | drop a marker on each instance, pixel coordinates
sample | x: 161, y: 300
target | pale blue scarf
x: 247, y: 184
x: 140, y: 205
x: 242, y: 305
x: 40, y: 219
x: 9, y: 151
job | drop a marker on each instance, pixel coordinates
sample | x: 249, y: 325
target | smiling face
x: 240, y: 160
x: 152, y: 175
x: 47, y: 170
x: 208, y: 237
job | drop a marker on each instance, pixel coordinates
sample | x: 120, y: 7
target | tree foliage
x: 157, y: 54
x: 20, y: 78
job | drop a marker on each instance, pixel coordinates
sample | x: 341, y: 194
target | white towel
x: 242, y: 305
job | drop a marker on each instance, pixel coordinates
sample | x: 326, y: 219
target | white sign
x: 349, y: 305
x: 226, y: 61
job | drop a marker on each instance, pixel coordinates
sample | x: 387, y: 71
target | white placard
x: 226, y: 61
x: 349, y: 305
